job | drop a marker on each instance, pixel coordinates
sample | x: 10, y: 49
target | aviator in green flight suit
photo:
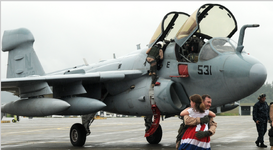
x: 155, y: 53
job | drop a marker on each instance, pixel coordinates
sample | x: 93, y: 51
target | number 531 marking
x: 204, y: 70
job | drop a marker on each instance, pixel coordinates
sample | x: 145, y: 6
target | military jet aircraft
x: 199, y: 58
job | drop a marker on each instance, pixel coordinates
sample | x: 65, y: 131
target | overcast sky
x: 67, y: 32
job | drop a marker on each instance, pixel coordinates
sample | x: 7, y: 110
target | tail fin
x: 22, y: 59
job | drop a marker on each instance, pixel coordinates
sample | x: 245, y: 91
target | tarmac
x: 232, y: 133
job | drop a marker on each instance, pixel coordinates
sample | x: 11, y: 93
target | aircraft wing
x: 40, y: 82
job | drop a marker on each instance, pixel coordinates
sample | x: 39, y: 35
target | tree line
x: 267, y: 89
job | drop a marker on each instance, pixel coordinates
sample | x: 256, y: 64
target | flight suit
x: 154, y: 53
x: 193, y: 57
x: 193, y: 48
x: 260, y: 112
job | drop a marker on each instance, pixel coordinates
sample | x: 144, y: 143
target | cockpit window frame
x: 204, y: 50
x: 215, y: 51
x: 228, y: 40
x: 161, y: 32
x: 203, y: 14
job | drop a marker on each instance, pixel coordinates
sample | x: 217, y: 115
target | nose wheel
x: 77, y: 135
x: 156, y: 137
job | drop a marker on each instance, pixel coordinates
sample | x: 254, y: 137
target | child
x: 189, y: 140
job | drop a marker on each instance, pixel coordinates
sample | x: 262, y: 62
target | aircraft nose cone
x: 258, y: 74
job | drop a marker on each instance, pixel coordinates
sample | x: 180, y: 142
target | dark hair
x: 204, y: 96
x: 261, y: 96
x: 199, y: 105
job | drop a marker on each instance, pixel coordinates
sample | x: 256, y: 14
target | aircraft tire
x: 77, y: 135
x: 156, y: 137
x: 13, y: 120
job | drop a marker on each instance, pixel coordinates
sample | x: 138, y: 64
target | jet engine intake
x: 170, y: 97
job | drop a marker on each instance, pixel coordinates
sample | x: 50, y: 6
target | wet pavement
x: 233, y: 133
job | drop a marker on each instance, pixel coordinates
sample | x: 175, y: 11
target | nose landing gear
x: 156, y: 137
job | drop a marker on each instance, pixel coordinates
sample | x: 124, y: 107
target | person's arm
x: 210, y: 132
x: 254, y: 113
x: 195, y: 121
x: 268, y: 115
x: 148, y: 50
x: 190, y: 121
x: 212, y: 126
x: 184, y: 112
x: 161, y: 54
x: 271, y: 113
x: 212, y: 114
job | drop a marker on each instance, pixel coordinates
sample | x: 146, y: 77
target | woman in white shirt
x: 189, y: 140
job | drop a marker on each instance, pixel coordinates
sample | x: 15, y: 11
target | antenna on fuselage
x: 114, y: 56
x: 138, y: 46
x: 85, y: 62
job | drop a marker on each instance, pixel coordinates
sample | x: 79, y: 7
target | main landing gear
x: 77, y: 135
x: 78, y: 132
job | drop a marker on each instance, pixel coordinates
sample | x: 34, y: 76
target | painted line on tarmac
x: 65, y: 128
x: 37, y: 130
x: 5, y: 121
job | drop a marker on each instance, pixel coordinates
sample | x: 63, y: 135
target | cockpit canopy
x: 169, y: 27
x: 216, y: 46
x: 190, y: 31
x: 209, y: 21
